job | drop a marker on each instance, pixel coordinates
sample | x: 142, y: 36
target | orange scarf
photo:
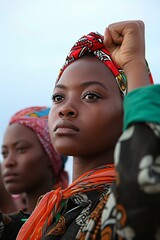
x: 50, y: 204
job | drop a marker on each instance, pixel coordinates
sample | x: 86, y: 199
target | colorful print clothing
x: 36, y: 118
x: 73, y: 210
x: 133, y: 209
x: 51, y: 205
x: 129, y: 210
x: 10, y: 224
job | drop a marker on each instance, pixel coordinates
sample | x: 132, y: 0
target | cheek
x: 29, y: 165
x: 32, y: 162
x: 110, y: 121
x: 51, y: 119
x: 2, y: 167
x: 117, y: 118
x: 114, y: 124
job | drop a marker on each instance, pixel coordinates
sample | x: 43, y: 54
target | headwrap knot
x: 93, y: 44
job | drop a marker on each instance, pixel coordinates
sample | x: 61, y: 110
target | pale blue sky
x: 36, y: 35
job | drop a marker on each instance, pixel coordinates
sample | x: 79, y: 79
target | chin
x: 14, y: 190
x: 64, y: 150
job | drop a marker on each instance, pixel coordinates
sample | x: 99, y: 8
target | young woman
x: 31, y: 167
x: 86, y: 122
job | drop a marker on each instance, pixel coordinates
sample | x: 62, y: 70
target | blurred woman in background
x: 30, y: 164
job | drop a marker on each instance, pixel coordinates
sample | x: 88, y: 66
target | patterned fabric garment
x: 114, y: 215
x: 130, y: 210
x: 51, y: 205
x: 93, y: 44
x: 36, y: 118
x: 10, y: 224
x: 110, y: 215
x: 133, y: 210
x: 73, y: 216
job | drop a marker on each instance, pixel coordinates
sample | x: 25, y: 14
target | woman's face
x: 86, y: 115
x: 25, y: 165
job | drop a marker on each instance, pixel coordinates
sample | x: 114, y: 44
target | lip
x: 65, y: 128
x: 9, y: 177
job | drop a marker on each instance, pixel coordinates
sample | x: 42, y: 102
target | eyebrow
x: 85, y: 84
x: 59, y: 86
x: 15, y: 143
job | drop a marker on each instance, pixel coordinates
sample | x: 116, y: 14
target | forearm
x: 137, y: 75
x: 126, y: 43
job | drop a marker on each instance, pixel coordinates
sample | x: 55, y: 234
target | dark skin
x: 88, y: 98
x: 26, y: 164
x: 7, y: 204
x: 126, y: 43
x: 80, y: 115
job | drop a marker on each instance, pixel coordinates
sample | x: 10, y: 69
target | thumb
x: 112, y: 39
x: 107, y: 38
x: 109, y: 41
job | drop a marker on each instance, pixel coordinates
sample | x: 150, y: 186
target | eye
x: 91, y: 96
x: 4, y: 153
x: 21, y: 149
x: 56, y: 98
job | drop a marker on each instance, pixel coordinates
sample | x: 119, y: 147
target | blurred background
x: 36, y: 36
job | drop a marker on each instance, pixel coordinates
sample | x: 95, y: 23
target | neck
x: 33, y: 195
x: 85, y: 164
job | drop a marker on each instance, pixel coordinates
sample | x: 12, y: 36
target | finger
x: 116, y: 35
x: 107, y: 37
x: 108, y: 41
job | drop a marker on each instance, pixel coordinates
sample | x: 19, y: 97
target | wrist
x: 137, y: 75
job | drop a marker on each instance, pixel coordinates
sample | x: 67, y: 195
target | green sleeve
x: 142, y: 105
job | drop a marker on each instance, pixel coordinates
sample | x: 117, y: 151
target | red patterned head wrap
x: 93, y: 44
x: 36, y: 118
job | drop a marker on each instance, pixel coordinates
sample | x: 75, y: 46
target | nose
x: 9, y: 160
x: 68, y: 111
